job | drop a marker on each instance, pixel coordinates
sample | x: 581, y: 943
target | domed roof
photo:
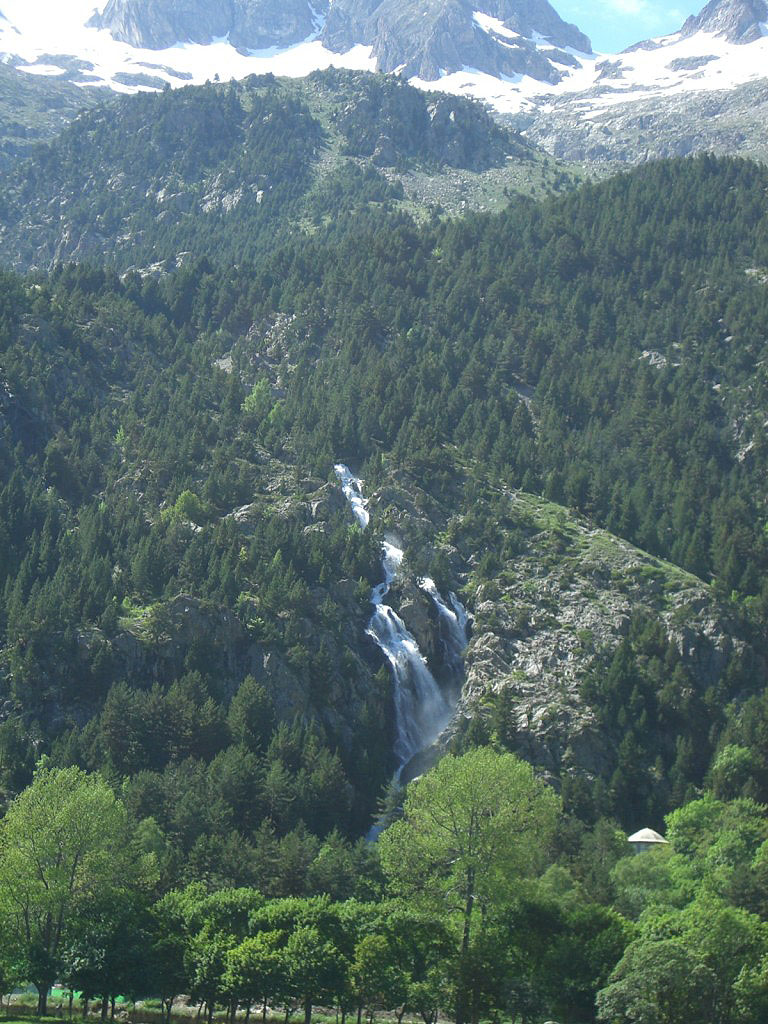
x: 647, y: 835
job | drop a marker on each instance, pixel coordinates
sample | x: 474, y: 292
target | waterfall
x: 454, y: 623
x: 421, y: 710
x: 351, y: 487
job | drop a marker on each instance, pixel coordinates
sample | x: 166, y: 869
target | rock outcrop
x: 737, y: 21
x: 500, y: 37
x: 723, y: 121
x: 427, y: 40
x: 248, y: 24
x: 549, y: 616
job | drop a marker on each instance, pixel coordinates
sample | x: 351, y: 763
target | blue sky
x: 613, y: 25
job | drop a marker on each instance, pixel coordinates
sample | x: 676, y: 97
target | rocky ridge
x: 500, y: 37
x: 550, y: 605
x: 248, y: 24
x: 723, y: 121
x: 700, y: 89
x: 738, y: 21
x: 519, y: 56
x: 238, y: 153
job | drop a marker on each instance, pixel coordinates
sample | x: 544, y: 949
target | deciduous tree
x: 471, y: 828
x: 64, y: 847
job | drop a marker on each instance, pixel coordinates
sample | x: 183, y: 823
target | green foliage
x: 658, y: 983
x: 64, y: 857
x: 188, y: 508
x: 228, y: 168
x: 470, y: 830
x: 691, y: 962
x: 372, y: 338
x: 183, y: 599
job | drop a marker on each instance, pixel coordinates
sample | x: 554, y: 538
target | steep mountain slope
x: 612, y: 136
x: 33, y: 111
x: 517, y: 55
x: 700, y: 89
x: 232, y: 167
x: 170, y: 519
x: 571, y: 625
x: 247, y: 24
x: 428, y: 41
x: 163, y: 39
x: 737, y: 21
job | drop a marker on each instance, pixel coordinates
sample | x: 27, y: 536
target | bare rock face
x: 157, y: 24
x: 443, y: 36
x: 426, y: 38
x: 724, y: 121
x: 549, y: 617
x: 249, y: 24
x: 738, y: 21
x: 260, y: 24
x: 537, y: 16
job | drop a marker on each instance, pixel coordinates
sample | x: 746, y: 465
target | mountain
x: 737, y: 21
x: 35, y: 110
x: 702, y: 88
x: 135, y: 44
x: 430, y: 40
x: 247, y: 24
x: 233, y: 167
x: 649, y: 126
x: 559, y: 415
x: 422, y: 40
x: 697, y: 89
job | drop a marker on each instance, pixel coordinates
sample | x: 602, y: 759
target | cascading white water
x: 421, y: 710
x: 350, y: 485
x: 454, y: 622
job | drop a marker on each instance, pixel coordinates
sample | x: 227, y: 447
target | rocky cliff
x: 431, y: 39
x: 248, y: 24
x: 500, y: 37
x: 737, y: 21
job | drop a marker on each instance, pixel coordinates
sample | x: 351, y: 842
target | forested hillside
x: 33, y: 110
x: 606, y: 350
x: 558, y: 414
x: 224, y: 170
x: 169, y: 526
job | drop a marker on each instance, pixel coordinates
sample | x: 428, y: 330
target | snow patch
x: 34, y: 29
x: 493, y: 26
x: 44, y: 70
x: 34, y: 32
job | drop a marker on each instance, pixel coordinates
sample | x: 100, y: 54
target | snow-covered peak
x: 718, y: 56
x: 517, y: 55
x: 63, y: 38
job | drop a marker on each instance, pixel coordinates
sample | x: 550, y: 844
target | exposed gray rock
x: 260, y: 24
x: 157, y: 24
x: 141, y: 81
x: 427, y: 39
x: 690, y: 63
x: 548, y: 616
x: 727, y: 121
x: 249, y: 24
x: 738, y: 21
x: 541, y: 623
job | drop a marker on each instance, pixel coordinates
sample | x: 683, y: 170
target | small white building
x: 646, y: 839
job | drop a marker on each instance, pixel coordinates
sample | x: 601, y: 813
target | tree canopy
x: 471, y: 829
x: 65, y: 850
